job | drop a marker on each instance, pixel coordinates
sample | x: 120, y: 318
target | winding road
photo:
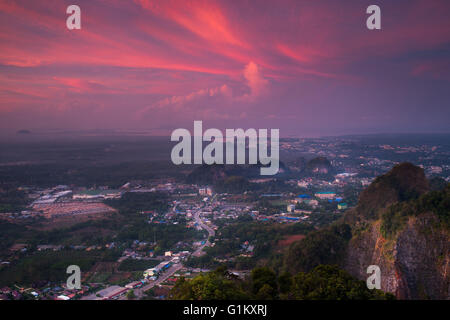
x: 199, y: 251
x: 139, y: 292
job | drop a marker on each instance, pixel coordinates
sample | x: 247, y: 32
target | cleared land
x: 73, y: 208
x: 290, y: 239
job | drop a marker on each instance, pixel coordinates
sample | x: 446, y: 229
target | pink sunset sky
x: 306, y: 67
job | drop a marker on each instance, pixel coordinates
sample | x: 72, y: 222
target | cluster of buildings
x: 205, y: 191
x: 153, y: 273
x: 329, y: 196
x: 49, y: 292
x: 98, y: 194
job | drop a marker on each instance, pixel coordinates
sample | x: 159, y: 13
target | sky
x: 308, y: 68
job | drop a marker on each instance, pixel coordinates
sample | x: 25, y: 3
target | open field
x: 290, y: 239
x: 73, y: 208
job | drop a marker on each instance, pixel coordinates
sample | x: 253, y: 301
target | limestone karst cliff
x: 403, y: 229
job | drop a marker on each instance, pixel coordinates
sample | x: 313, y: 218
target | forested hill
x: 404, y: 182
x: 396, y: 225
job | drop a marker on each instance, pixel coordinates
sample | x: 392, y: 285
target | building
x: 149, y: 273
x: 306, y: 199
x: 324, y: 195
x: 303, y: 184
x: 134, y: 285
x: 98, y: 194
x: 205, y: 191
x: 435, y: 169
x: 287, y: 218
x: 163, y: 266
x: 109, y: 293
x: 313, y: 203
x: 342, y: 206
x: 302, y: 198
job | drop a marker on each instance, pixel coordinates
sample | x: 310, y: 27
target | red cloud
x: 182, y: 52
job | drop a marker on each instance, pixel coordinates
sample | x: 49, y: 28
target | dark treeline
x: 325, y: 282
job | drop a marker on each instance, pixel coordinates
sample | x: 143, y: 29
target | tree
x: 216, y: 285
x: 328, y: 282
x: 264, y: 283
x: 130, y: 295
x: 326, y: 246
x: 265, y: 293
x: 285, y: 282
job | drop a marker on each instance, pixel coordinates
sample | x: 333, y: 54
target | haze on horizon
x: 308, y: 68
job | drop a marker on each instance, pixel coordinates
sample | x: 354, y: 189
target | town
x: 137, y: 239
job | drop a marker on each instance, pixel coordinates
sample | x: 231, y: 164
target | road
x: 139, y: 292
x: 199, y: 251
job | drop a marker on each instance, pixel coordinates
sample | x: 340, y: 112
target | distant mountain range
x: 23, y: 131
x: 213, y: 174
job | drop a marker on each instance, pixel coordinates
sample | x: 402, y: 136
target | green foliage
x: 12, y: 200
x: 326, y: 246
x: 234, y: 178
x: 47, y: 266
x: 233, y: 184
x: 322, y: 219
x: 264, y: 237
x: 393, y: 219
x: 264, y: 283
x: 403, y: 183
x: 130, y: 295
x: 285, y: 283
x: 350, y: 195
x: 9, y: 233
x: 437, y: 184
x: 136, y: 202
x: 270, y: 207
x: 437, y: 202
x: 137, y: 265
x: 217, y: 285
x: 396, y: 215
x: 327, y: 282
x: 166, y: 235
x: 84, y: 173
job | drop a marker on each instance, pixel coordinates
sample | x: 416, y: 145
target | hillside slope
x: 397, y: 225
x: 414, y: 264
x: 405, y: 231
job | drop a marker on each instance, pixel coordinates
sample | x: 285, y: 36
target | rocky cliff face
x: 401, y: 228
x: 398, y: 225
x: 414, y: 264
